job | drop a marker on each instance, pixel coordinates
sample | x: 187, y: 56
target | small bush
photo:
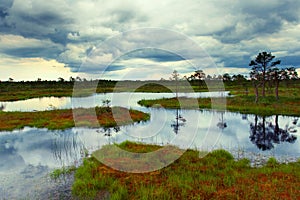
x: 272, y: 162
x: 243, y: 163
x: 221, y: 155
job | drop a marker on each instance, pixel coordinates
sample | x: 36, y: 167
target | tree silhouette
x: 285, y: 74
x: 241, y: 79
x: 261, y: 64
x: 265, y: 134
x: 175, y: 77
x: 2, y: 107
x: 227, y: 77
x: 72, y: 79
x: 277, y: 75
x: 108, y: 131
x: 200, y: 75
x: 256, y: 81
x: 60, y: 79
x: 179, y: 121
x: 222, y: 124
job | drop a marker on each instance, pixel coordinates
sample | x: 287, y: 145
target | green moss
x: 242, y: 104
x: 216, y: 176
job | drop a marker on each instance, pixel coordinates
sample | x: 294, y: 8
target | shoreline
x: 64, y: 118
x: 239, y: 104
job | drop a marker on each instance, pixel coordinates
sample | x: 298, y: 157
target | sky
x: 143, y: 40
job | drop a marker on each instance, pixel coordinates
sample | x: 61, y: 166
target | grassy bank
x: 25, y: 90
x: 243, y: 104
x: 216, y: 176
x: 63, y: 119
x: 11, y: 91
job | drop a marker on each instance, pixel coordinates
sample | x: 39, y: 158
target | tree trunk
x: 276, y: 89
x: 263, y: 83
x: 256, y: 85
x: 270, y: 85
x: 256, y: 93
x: 176, y: 89
x: 264, y: 129
x: 255, y: 122
x: 276, y: 125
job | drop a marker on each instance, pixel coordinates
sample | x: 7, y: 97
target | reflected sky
x: 32, y: 146
x: 125, y: 99
x: 29, y: 154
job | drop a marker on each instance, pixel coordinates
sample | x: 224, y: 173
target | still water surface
x: 28, y: 155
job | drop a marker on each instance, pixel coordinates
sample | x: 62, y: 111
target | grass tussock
x: 216, y: 176
x: 63, y: 119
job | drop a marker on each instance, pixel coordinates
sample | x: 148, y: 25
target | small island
x: 64, y: 118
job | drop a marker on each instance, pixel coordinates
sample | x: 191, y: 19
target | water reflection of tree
x: 2, y: 107
x: 222, y: 124
x: 179, y: 121
x: 264, y: 133
x: 108, y: 131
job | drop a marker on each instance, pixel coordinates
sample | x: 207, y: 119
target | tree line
x: 265, y: 73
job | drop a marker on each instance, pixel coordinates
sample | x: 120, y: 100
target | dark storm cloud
x: 254, y: 20
x: 59, y: 36
x: 290, y: 61
x: 32, y: 19
x: 3, y: 13
x: 285, y: 10
x: 40, y: 26
x: 4, y: 7
x: 112, y: 67
x: 249, y: 28
x: 243, y: 61
x: 156, y: 55
x: 42, y: 19
x: 77, y: 67
x: 77, y: 26
x: 32, y: 52
x: 237, y: 62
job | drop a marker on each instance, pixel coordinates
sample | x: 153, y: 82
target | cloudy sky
x: 122, y: 39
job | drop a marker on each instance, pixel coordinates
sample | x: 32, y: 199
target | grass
x: 57, y: 173
x: 288, y: 103
x: 215, y: 176
x: 12, y: 91
x: 243, y: 104
x: 63, y: 119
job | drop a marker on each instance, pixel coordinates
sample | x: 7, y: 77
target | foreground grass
x: 216, y: 176
x: 63, y: 119
x: 243, y: 104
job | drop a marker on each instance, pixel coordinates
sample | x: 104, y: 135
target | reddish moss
x: 62, y: 119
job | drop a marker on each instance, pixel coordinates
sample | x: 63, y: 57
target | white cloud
x: 230, y: 31
x: 32, y: 69
x: 9, y: 41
